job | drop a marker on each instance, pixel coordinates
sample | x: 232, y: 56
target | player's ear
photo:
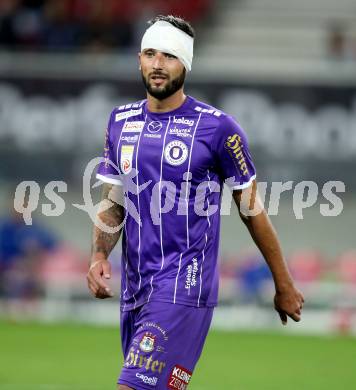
x: 139, y: 60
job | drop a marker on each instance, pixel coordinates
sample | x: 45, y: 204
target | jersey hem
x: 178, y: 302
x: 108, y: 180
x: 133, y: 385
x: 244, y: 185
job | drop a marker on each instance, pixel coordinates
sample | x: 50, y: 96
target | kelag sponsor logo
x: 183, y: 121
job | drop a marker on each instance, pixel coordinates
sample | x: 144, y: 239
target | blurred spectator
x: 90, y: 24
x: 254, y: 275
x: 60, y: 30
x: 346, y: 267
x: 306, y: 265
x: 21, y: 248
x: 187, y: 9
x: 20, y: 23
x: 340, y: 46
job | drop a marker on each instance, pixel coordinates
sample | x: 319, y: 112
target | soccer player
x: 166, y: 159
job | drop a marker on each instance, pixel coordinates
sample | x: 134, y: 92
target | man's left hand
x: 289, y: 303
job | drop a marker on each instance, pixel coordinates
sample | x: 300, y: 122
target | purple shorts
x: 162, y: 343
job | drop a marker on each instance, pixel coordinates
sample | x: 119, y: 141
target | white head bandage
x: 164, y: 37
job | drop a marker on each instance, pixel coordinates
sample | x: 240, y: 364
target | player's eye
x: 170, y: 56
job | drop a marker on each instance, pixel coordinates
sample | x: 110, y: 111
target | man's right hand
x: 99, y: 271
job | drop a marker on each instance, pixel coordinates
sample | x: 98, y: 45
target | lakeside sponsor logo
x: 152, y: 381
x: 133, y: 127
x: 127, y: 114
x: 176, y: 152
x: 179, y: 378
x: 130, y: 138
x: 183, y: 121
x: 185, y: 132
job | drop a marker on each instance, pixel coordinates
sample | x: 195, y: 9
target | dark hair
x: 176, y: 22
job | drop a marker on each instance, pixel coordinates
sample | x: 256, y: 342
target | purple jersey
x: 182, y: 158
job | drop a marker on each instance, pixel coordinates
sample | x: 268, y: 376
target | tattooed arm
x: 106, y: 234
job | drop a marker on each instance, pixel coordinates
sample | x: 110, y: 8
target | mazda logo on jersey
x: 176, y: 152
x: 154, y: 127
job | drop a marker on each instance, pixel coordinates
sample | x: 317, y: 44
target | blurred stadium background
x: 286, y: 69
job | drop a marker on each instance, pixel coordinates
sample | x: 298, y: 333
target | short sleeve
x: 108, y: 171
x: 232, y: 156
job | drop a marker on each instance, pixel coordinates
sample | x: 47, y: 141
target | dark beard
x: 171, y: 87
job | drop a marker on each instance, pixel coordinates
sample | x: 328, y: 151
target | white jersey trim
x: 187, y: 206
x: 206, y: 241
x: 160, y: 214
x: 139, y: 213
x: 127, y: 262
x: 175, y: 287
x: 244, y: 185
x: 127, y: 259
x: 186, y: 192
x: 160, y: 194
x: 109, y: 180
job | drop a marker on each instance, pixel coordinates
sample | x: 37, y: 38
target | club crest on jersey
x: 126, y: 158
x: 176, y: 152
x: 147, y: 343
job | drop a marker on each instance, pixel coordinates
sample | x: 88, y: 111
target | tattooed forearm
x: 111, y: 215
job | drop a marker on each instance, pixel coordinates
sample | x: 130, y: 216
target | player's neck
x: 169, y: 104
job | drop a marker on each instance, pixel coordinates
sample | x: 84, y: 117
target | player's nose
x: 158, y: 61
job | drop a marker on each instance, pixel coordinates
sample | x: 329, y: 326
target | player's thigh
x: 124, y: 387
x: 166, y: 346
x: 127, y: 329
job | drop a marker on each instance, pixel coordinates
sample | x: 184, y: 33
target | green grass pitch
x: 74, y: 357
